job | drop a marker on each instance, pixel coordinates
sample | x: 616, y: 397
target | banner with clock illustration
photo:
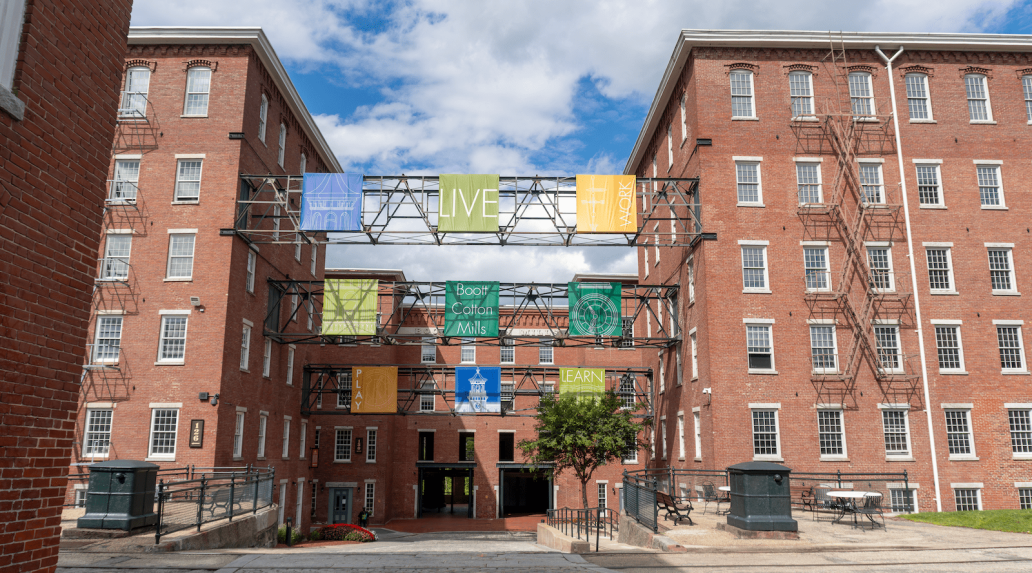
x: 594, y: 309
x: 478, y: 389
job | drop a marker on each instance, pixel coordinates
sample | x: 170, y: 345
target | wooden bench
x: 672, y: 508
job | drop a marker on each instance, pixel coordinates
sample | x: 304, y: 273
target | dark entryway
x: 445, y: 488
x: 524, y: 491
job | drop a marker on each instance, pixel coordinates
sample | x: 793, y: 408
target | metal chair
x: 710, y: 493
x: 870, y: 508
x: 824, y: 506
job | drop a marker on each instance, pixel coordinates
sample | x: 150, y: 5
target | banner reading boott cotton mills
x: 349, y: 307
x: 606, y: 204
x: 471, y: 308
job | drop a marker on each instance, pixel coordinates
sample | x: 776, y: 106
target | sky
x: 520, y: 87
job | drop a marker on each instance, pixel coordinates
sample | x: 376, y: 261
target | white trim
x: 763, y: 406
x: 1023, y: 484
x: 987, y: 161
x: 870, y: 160
x: 752, y: 242
x: 999, y: 245
x: 190, y: 155
x: 248, y: 323
x: 808, y: 159
x: 166, y: 405
x: 957, y: 406
x: 970, y: 485
x: 878, y: 243
x: 164, y: 312
x: 1017, y: 406
x: 109, y: 312
x: 814, y: 243
x: 821, y: 321
x: 128, y: 156
x: 945, y: 321
x: 927, y: 161
x: 890, y: 321
x: 893, y: 406
x: 120, y: 231
x: 933, y: 244
x: 757, y: 321
x: 828, y: 406
x: 1008, y: 322
x: 182, y: 231
x: 499, y: 431
x: 104, y: 405
x: 241, y: 408
x: 745, y: 158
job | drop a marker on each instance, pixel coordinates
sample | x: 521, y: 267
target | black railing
x: 581, y: 523
x: 805, y: 483
x: 681, y: 484
x: 218, y: 494
x: 640, y: 498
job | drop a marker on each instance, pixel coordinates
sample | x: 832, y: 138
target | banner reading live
x: 331, y: 202
x: 478, y: 389
x: 594, y: 309
x: 374, y: 390
x: 606, y: 204
x: 468, y: 203
x: 582, y: 381
x: 471, y: 308
x: 349, y: 307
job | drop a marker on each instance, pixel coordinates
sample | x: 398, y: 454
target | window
x: 344, y: 389
x: 172, y: 341
x: 245, y: 347
x: 1001, y: 270
x: 968, y: 499
x: 663, y: 430
x: 947, y: 343
x: 1026, y: 84
x: 549, y: 388
x: 695, y: 355
x: 468, y: 352
x: 297, y: 247
x: 428, y: 351
x: 80, y: 495
x: 630, y: 455
x: 370, y: 452
x: 286, y: 437
x: 1012, y: 354
x: 748, y: 177
x: 754, y: 268
x: 507, y: 352
x: 108, y: 340
x: 823, y: 353
x: 315, y: 258
x: 303, y: 437
x: 940, y: 269
x: 979, y: 108
x: 698, y: 435
x: 879, y: 259
x: 1025, y: 495
x: 691, y: 283
x: 887, y: 341
x: 506, y: 446
x: 742, y: 94
x: 342, y: 449
x: 252, y: 261
x: 180, y: 256
x: 627, y: 332
x: 125, y: 184
x: 830, y: 433
x: 263, y: 118
x: 670, y: 146
x: 97, y: 438
x: 545, y: 351
x: 815, y: 264
x: 680, y: 436
x: 808, y: 179
x: 897, y: 433
x: 1020, y: 430
x: 263, y: 422
x: 275, y: 222
x: 370, y: 497
x: 267, y: 358
x: 602, y: 494
x: 238, y: 435
x: 134, y: 98
x: 303, y: 163
x: 902, y: 500
x: 282, y: 144
x: 861, y: 96
x: 290, y: 365
x: 765, y: 433
x: 990, y: 187
x: 871, y: 182
x: 12, y: 14
x: 163, y: 432
x: 684, y: 117
x: 198, y: 84
x: 929, y: 190
x: 508, y: 391
x: 188, y: 180
x: 917, y: 97
x: 427, y: 400
x: 761, y: 352
x: 800, y: 84
x: 958, y: 433
x: 627, y: 394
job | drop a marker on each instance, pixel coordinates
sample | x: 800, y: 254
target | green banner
x: 468, y: 203
x: 582, y: 381
x: 349, y: 307
x: 471, y: 308
x: 594, y: 309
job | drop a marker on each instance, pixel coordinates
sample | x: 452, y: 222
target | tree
x: 582, y: 434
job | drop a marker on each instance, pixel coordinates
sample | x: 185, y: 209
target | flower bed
x: 345, y: 532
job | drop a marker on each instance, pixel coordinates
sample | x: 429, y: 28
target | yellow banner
x: 606, y: 204
x: 374, y: 390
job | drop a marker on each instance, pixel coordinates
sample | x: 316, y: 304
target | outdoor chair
x: 823, y: 507
x: 870, y: 508
x: 710, y: 493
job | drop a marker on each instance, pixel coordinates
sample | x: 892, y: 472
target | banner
x: 349, y: 307
x: 468, y: 203
x: 595, y: 309
x: 582, y: 381
x: 470, y: 308
x: 606, y: 204
x: 331, y: 202
x: 478, y: 389
x: 374, y: 390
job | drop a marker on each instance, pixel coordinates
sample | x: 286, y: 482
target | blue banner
x: 478, y: 389
x: 331, y: 202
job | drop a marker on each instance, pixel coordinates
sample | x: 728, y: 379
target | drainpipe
x: 913, y: 274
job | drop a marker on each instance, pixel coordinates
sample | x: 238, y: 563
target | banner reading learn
x: 331, y: 202
x: 470, y: 308
x: 583, y: 381
x: 468, y: 203
x: 349, y: 307
x: 606, y: 204
x: 374, y: 390
x: 594, y: 309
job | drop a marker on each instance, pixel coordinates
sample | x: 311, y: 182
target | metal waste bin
x: 120, y: 495
x: 760, y: 498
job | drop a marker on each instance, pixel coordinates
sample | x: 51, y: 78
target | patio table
x: 848, y: 499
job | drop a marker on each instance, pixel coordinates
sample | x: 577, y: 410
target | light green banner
x: 468, y: 203
x: 470, y: 308
x: 349, y: 307
x: 582, y: 381
x: 594, y: 309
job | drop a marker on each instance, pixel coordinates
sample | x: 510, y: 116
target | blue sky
x: 516, y: 87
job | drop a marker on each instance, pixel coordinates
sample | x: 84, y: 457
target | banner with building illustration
x: 478, y: 389
x: 471, y: 308
x: 606, y: 204
x: 468, y: 203
x: 349, y: 307
x: 594, y: 309
x: 582, y: 381
x: 374, y: 390
x: 331, y: 202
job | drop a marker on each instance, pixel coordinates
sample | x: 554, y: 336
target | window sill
x: 982, y: 122
x: 943, y: 207
x: 1006, y: 293
x: 923, y: 121
x: 1021, y: 457
x: 944, y: 293
x: 866, y: 119
x: 171, y: 363
x: 761, y: 205
x: 342, y: 461
x: 685, y: 140
x: 817, y: 290
x: 238, y: 458
x: 187, y: 202
x: 245, y: 370
x: 805, y: 118
x: 824, y: 372
x: 763, y: 371
x: 697, y: 459
x: 811, y: 206
x: 179, y: 280
x: 768, y: 459
x: 260, y: 458
x: 192, y: 115
x: 952, y: 373
x: 834, y: 458
x: 994, y: 208
x: 899, y: 458
x: 957, y: 458
x: 96, y: 456
x: 11, y: 104
x: 695, y: 378
x: 1015, y: 372
x: 733, y: 118
x: 154, y: 459
x: 374, y: 461
x: 756, y: 291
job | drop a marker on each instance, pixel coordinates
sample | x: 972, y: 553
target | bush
x: 295, y: 535
x: 347, y: 532
x: 315, y: 535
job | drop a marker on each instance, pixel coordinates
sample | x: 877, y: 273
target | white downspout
x: 913, y: 275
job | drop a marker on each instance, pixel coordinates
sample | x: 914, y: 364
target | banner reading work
x: 606, y: 204
x: 374, y: 390
x: 478, y: 389
x: 468, y: 203
x: 583, y: 381
x: 349, y: 307
x: 594, y: 309
x: 470, y: 308
x: 331, y: 202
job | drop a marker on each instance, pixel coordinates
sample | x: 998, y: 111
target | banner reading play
x: 606, y: 204
x: 374, y: 390
x: 583, y: 381
x: 349, y: 307
x: 468, y: 203
x: 331, y: 202
x: 478, y: 389
x: 470, y: 308
x: 594, y: 309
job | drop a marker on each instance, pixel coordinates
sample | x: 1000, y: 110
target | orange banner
x: 606, y: 204
x: 374, y: 390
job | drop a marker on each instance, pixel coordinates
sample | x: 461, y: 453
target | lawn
x: 1015, y: 520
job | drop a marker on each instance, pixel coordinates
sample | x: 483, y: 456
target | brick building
x: 57, y: 59
x: 867, y: 215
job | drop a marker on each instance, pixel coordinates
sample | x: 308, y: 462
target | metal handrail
x: 220, y: 495
x: 580, y: 523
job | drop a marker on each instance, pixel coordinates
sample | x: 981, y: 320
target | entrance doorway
x: 524, y: 492
x: 340, y: 505
x: 445, y: 489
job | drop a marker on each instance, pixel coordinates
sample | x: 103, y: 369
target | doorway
x: 524, y: 492
x: 340, y: 505
x: 445, y: 489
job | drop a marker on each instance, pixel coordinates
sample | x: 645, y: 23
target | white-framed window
x: 286, y: 437
x: 754, y: 267
x: 742, y: 94
x: 800, y: 85
x: 902, y: 500
x: 1026, y: 84
x: 968, y: 498
x: 684, y: 115
x: 508, y: 394
x: 1001, y: 270
x: 267, y: 358
x: 172, y: 340
x: 263, y: 118
x: 468, y: 352
x: 245, y: 347
x: 290, y: 364
x: 823, y: 348
x: 428, y: 399
x: 198, y: 85
x: 302, y: 439
x: 759, y: 347
x: 428, y: 350
x: 655, y: 242
x: 695, y: 354
x: 12, y: 15
x: 645, y: 253
x: 275, y: 222
x: 1011, y: 345
x: 370, y: 497
x: 188, y: 180
x: 126, y: 181
x: 940, y: 269
x: 601, y: 486
x: 691, y: 281
x: 831, y: 434
x: 507, y: 351
x: 302, y: 163
x: 164, y: 422
x: 282, y: 144
x: 896, y: 428
x: 107, y: 339
x: 918, y: 102
x: 747, y: 176
x: 627, y: 393
x: 180, y: 256
x: 342, y: 445
x: 630, y: 454
x: 81, y: 491
x: 96, y: 440
x: 252, y: 263
x: 315, y: 258
x: 816, y: 267
x: 990, y: 186
x: 344, y: 389
x: 297, y: 247
x: 370, y: 452
x: 697, y: 421
x: 871, y: 182
x: 663, y: 430
x: 670, y: 146
x: 263, y: 424
x: 808, y: 180
x: 1025, y: 495
x: 134, y: 98
x: 929, y: 186
x: 238, y: 435
x: 861, y: 94
x: 959, y: 440
x: 549, y: 388
x: 1019, y: 416
x: 545, y: 355
x: 879, y: 260
x: 886, y: 337
x: 680, y: 435
x: 979, y: 108
x: 766, y: 438
x: 949, y: 348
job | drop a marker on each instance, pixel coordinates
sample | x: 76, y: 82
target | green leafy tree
x: 581, y: 434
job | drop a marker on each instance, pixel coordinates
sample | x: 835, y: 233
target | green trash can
x: 120, y: 495
x: 760, y: 498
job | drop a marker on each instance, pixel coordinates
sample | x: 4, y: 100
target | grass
x: 1013, y: 520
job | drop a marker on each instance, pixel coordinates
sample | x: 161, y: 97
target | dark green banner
x: 471, y: 308
x: 468, y: 203
x: 594, y: 309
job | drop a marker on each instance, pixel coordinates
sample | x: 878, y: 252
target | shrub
x: 315, y: 535
x: 295, y: 535
x: 347, y: 532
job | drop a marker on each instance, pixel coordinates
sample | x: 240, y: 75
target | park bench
x: 672, y: 508
x: 219, y: 501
